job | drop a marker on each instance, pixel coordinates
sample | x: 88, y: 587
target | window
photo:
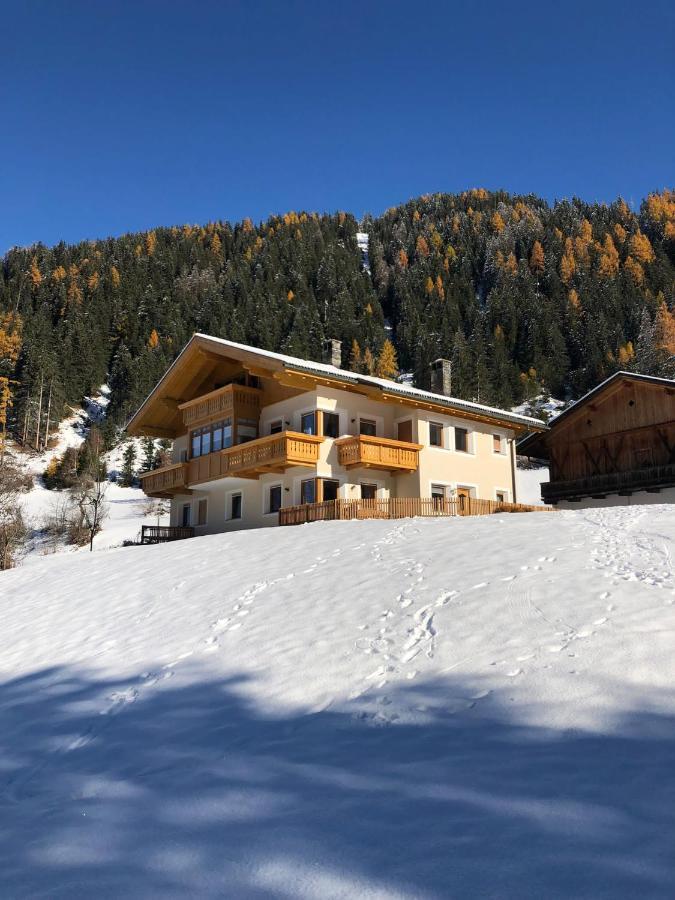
x: 368, y: 427
x: 435, y: 434
x: 206, y: 441
x: 497, y: 443
x: 404, y: 430
x: 276, y: 427
x: 368, y: 491
x: 247, y: 430
x: 202, y: 507
x: 330, y: 489
x: 308, y: 491
x: 462, y: 440
x: 196, y: 444
x: 227, y: 433
x: 308, y: 423
x: 274, y: 499
x: 500, y: 496
x: 331, y: 425
x: 235, y: 506
x: 217, y: 437
x: 186, y: 514
x: 438, y: 495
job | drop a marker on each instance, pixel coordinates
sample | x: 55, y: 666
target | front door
x: 464, y: 500
x: 368, y: 491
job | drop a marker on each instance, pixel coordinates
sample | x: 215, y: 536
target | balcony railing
x: 161, y: 534
x: 273, y: 453
x: 378, y: 453
x: 233, y: 399
x: 649, y: 479
x: 165, y: 481
x: 398, y: 508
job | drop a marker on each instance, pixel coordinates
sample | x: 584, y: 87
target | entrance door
x: 330, y: 489
x: 368, y: 491
x: 464, y: 500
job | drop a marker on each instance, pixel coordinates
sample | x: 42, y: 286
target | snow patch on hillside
x: 382, y: 709
x: 128, y: 508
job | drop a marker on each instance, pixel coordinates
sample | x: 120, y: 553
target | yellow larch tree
x: 608, y: 265
x: 421, y: 246
x: 664, y: 330
x: 634, y: 270
x: 497, y: 222
x: 153, y: 340
x: 35, y: 274
x: 641, y: 248
x: 387, y: 364
x: 537, y: 258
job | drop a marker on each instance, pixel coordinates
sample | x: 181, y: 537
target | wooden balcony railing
x: 273, y: 453
x: 398, y: 508
x: 233, y: 399
x: 652, y: 478
x: 166, y: 481
x: 161, y: 534
x: 378, y: 453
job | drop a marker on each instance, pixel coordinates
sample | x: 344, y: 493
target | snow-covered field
x: 423, y: 708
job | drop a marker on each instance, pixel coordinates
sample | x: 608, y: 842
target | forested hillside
x: 522, y: 296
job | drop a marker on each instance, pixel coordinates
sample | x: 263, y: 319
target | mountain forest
x: 525, y: 297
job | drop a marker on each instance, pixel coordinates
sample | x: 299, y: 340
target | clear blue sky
x: 118, y: 116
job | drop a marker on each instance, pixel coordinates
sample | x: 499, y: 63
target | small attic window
x: 588, y: 421
x: 631, y: 402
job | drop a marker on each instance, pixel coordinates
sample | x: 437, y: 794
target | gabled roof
x: 280, y: 361
x: 531, y: 445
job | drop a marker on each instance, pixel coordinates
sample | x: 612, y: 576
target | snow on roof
x: 391, y: 387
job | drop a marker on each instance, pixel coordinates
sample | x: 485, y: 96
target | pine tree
x: 148, y: 462
x: 646, y: 355
x: 128, y: 464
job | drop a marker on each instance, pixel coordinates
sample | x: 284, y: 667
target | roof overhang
x: 192, y: 373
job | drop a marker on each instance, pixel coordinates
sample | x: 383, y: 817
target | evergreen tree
x: 128, y: 465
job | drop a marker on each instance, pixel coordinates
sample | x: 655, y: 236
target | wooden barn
x: 616, y: 445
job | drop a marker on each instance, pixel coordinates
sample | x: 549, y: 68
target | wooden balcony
x: 378, y: 453
x: 232, y: 400
x: 651, y: 479
x: 274, y: 453
x: 166, y: 481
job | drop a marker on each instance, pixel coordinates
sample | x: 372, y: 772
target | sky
x: 122, y: 116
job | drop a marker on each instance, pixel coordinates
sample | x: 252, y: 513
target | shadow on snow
x: 190, y: 790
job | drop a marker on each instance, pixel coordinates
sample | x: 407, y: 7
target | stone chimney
x: 441, y: 377
x: 332, y: 352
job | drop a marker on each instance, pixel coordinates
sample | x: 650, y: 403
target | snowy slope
x: 127, y: 509
x: 424, y: 708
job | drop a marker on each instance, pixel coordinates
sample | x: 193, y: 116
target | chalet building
x: 256, y: 432
x: 615, y: 446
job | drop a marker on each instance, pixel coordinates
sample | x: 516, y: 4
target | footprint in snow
x: 600, y: 621
x: 514, y: 672
x: 476, y: 587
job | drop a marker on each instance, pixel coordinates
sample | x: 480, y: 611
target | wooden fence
x: 398, y: 508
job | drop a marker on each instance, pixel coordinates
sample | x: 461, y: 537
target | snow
x: 424, y: 708
x: 127, y: 508
x: 310, y: 366
x: 528, y: 484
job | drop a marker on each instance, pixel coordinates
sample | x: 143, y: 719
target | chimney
x: 332, y: 352
x: 441, y: 377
